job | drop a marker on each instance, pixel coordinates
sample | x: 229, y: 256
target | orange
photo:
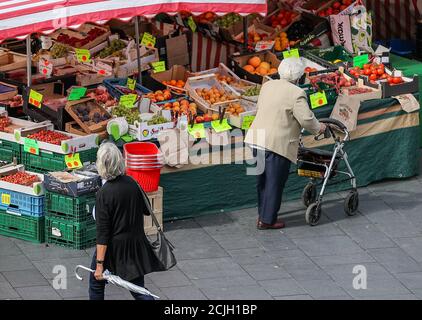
x: 262, y: 71
x: 265, y: 65
x: 172, y: 82
x: 272, y: 71
x: 249, y: 68
x: 254, y: 61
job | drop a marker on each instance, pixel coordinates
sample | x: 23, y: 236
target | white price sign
x: 264, y: 45
x: 45, y: 67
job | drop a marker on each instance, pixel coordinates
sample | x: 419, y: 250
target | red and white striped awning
x: 19, y: 18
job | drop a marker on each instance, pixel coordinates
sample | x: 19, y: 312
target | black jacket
x: 119, y: 211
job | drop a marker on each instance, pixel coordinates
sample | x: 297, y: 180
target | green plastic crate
x: 22, y: 227
x: 70, y: 234
x: 10, y: 150
x: 75, y: 209
x: 48, y: 161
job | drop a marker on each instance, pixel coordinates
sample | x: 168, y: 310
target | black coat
x: 119, y: 212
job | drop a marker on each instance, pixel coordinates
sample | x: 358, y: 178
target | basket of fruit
x: 208, y: 92
x: 117, y: 88
x: 89, y: 115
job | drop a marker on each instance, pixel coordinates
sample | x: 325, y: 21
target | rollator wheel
x: 309, y: 194
x: 351, y: 203
x: 313, y: 214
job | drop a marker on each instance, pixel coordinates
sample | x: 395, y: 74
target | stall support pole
x: 29, y: 61
x: 245, y: 33
x: 138, y: 52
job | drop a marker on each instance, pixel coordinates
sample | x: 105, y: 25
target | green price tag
x: 31, y: 146
x: 192, y: 24
x: 127, y: 138
x: 73, y: 161
x: 220, y: 127
x: 35, y: 98
x: 318, y: 99
x: 159, y: 66
x: 359, y: 61
x: 197, y: 131
x: 83, y: 55
x: 294, y: 53
x: 247, y: 121
x: 128, y: 100
x: 131, y: 83
x: 76, y: 94
x: 148, y: 40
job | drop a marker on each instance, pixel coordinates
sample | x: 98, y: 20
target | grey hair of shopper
x: 110, y: 163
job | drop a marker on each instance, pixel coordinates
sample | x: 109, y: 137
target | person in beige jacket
x: 283, y: 111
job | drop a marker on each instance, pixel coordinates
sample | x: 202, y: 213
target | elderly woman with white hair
x: 122, y: 246
x: 283, y: 111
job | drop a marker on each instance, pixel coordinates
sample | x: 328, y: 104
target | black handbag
x: 162, y: 248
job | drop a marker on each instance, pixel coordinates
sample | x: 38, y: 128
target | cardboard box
x: 177, y: 51
x: 238, y: 61
x: 36, y: 189
x: 260, y: 28
x: 128, y: 68
x: 250, y: 110
x: 316, y: 6
x: 81, y: 34
x: 15, y: 123
x: 7, y: 91
x: 74, y: 127
x: 267, y: 20
x: 141, y: 131
x: 89, y: 183
x: 376, y: 93
x: 229, y: 34
x: 155, y: 80
x: 11, y: 61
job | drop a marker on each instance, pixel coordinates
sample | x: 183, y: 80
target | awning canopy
x: 20, y: 18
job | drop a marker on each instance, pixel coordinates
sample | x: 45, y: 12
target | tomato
x: 380, y: 71
x: 367, y: 72
x: 336, y: 5
x: 373, y: 77
x: 384, y: 76
x: 366, y: 66
x: 390, y: 80
x: 397, y: 80
x: 353, y: 72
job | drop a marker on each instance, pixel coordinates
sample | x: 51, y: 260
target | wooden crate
x: 156, y: 200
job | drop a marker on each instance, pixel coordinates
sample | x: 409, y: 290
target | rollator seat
x: 317, y: 153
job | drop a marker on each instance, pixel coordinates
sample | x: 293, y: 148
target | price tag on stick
x: 197, y: 131
x: 359, y: 61
x: 77, y: 94
x: 220, y: 126
x: 73, y: 161
x: 148, y: 40
x: 318, y: 99
x: 294, y: 53
x: 192, y: 24
x: 83, y: 55
x: 128, y: 100
x: 31, y: 146
x: 159, y: 66
x: 247, y: 122
x: 131, y: 83
x: 45, y: 67
x: 35, y: 98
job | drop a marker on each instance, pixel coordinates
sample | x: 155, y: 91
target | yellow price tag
x: 220, y: 127
x: 73, y: 161
x: 247, y: 122
x: 294, y: 53
x: 318, y: 99
x: 83, y: 55
x: 197, y: 131
x: 159, y: 66
x: 131, y: 83
x: 35, y: 98
x: 5, y: 198
x: 148, y: 40
x: 128, y: 100
x: 192, y: 24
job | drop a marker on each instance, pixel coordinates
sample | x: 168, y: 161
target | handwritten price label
x: 318, y: 99
x: 220, y: 127
x: 73, y: 161
x: 159, y: 66
x: 128, y: 100
x: 197, y: 131
x: 83, y: 55
x: 77, y: 94
x: 31, y: 146
x: 131, y: 83
x: 294, y: 53
x: 264, y: 45
x: 359, y: 61
x: 247, y: 122
x: 148, y: 40
x: 35, y: 98
x: 45, y: 67
x: 192, y: 24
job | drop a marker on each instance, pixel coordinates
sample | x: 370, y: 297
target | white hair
x: 110, y: 163
x: 291, y: 69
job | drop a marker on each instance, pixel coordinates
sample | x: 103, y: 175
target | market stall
x: 127, y: 73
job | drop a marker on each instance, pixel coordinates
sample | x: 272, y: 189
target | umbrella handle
x: 81, y: 267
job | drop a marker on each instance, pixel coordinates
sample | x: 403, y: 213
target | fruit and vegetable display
x: 130, y: 114
x: 335, y: 8
x: 282, y: 42
x: 353, y: 91
x: 58, y: 51
x: 4, y: 123
x: 207, y: 17
x: 234, y: 109
x: 228, y: 20
x: 206, y: 118
x: 114, y: 50
x: 333, y: 79
x: 102, y: 97
x: 48, y: 136
x: 254, y: 36
x: 214, y: 95
x: 91, y: 35
x: 375, y: 72
x: 175, y: 83
x: 257, y: 66
x: 253, y: 91
x: 15, y: 102
x: 310, y: 69
x: 282, y: 19
x: 181, y: 107
x: 21, y: 178
x: 156, y: 119
x: 90, y: 113
x: 159, y: 96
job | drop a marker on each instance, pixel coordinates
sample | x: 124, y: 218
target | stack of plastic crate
x: 22, y: 207
x: 69, y: 221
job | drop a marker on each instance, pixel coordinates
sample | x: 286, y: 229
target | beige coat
x: 283, y: 111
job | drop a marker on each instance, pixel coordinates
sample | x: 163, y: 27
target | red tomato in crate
x: 373, y: 77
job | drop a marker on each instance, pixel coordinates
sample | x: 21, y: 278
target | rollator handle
x: 334, y: 122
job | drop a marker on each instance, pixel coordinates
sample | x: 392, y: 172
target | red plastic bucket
x: 149, y: 180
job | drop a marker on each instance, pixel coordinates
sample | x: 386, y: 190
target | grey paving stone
x: 184, y: 293
x: 413, y: 246
x: 326, y: 246
x: 396, y: 260
x: 306, y: 231
x: 225, y: 282
x: 38, y: 293
x: 231, y: 242
x: 391, y: 297
x: 417, y: 293
x: 13, y: 263
x: 277, y: 242
x: 251, y: 256
x: 411, y: 280
x: 8, y: 248
x: 306, y: 272
x: 282, y: 287
x: 377, y: 287
x: 2, y: 278
x: 172, y: 278
x: 368, y: 236
x: 295, y: 297
x: 322, y: 288
x: 25, y: 278
x: 266, y: 271
x: 7, y: 291
x: 210, y: 268
x: 355, y: 258
x: 299, y: 261
x: 237, y: 293
x: 36, y: 252
x: 46, y: 266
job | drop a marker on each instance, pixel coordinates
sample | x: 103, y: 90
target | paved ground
x: 225, y: 257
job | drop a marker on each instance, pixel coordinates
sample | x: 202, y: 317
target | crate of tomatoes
x: 22, y: 192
